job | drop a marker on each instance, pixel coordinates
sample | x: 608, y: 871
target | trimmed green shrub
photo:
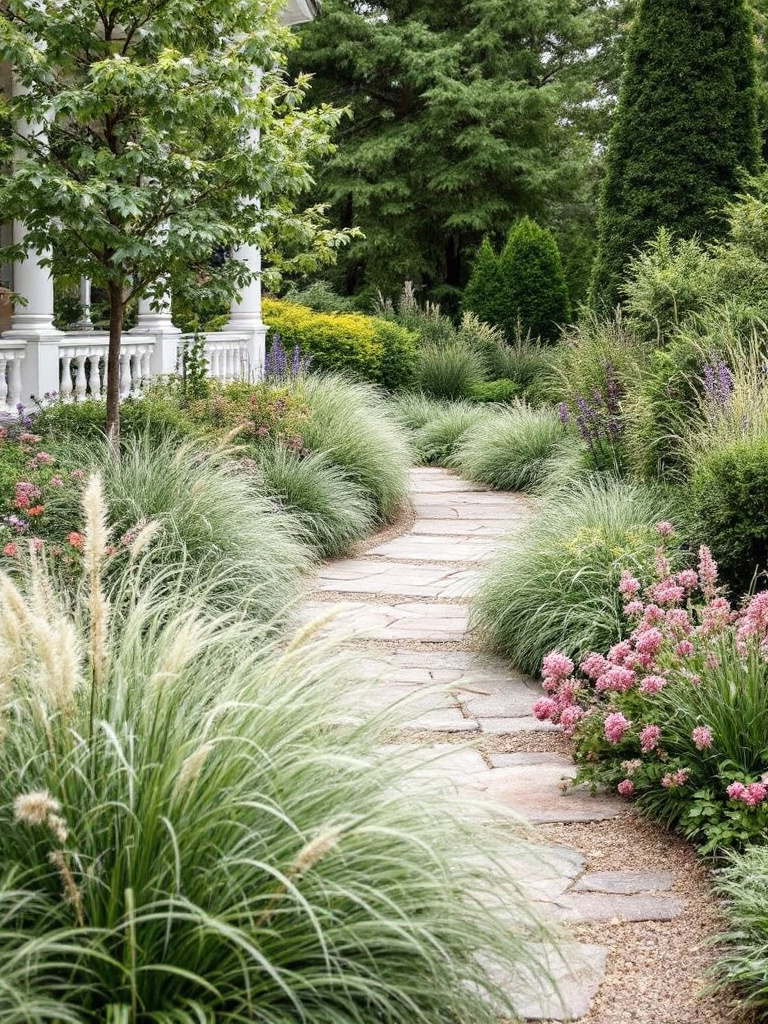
x: 448, y: 371
x: 502, y: 390
x: 513, y: 450
x: 555, y: 585
x: 534, y: 294
x: 373, y: 348
x: 675, y: 154
x: 729, y: 501
x: 193, y: 830
x: 350, y: 422
x: 397, y: 367
x: 484, y: 288
x: 334, y: 512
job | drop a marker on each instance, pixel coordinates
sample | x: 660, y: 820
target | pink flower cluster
x: 561, y: 707
x: 752, y: 794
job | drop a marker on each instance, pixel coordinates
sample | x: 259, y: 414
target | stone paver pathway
x: 405, y: 608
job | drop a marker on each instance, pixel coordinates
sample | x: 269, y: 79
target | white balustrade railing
x: 226, y: 354
x: 10, y: 376
x: 83, y: 362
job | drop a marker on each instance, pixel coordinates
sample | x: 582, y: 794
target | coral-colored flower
x: 633, y: 608
x: 667, y: 593
x: 10, y: 549
x: 649, y: 738
x: 707, y: 572
x: 652, y: 615
x: 684, y: 649
x: 756, y: 793
x: 679, y: 620
x: 615, y: 727
x: 557, y: 665
x: 626, y: 787
x: 702, y: 737
x: 75, y: 539
x: 36, y: 510
x: 652, y: 684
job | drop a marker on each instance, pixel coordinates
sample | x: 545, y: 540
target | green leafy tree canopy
x: 140, y: 161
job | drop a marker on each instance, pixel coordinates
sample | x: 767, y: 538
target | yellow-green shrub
x: 374, y: 348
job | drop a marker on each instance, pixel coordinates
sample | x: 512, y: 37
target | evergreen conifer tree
x: 533, y: 294
x: 685, y: 130
x: 481, y: 296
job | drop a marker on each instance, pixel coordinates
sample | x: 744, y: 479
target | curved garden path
x: 634, y: 900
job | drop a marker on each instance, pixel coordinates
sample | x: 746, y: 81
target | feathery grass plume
x: 172, y: 890
x: 350, y: 421
x: 33, y: 626
x: 144, y: 538
x: 95, y: 538
x: 515, y: 450
x: 555, y: 584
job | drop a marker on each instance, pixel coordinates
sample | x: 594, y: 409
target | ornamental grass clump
x: 333, y: 510
x: 349, y: 420
x: 214, y: 521
x: 742, y: 965
x: 193, y: 829
x: 437, y: 440
x: 514, y: 450
x: 555, y: 582
x: 676, y: 714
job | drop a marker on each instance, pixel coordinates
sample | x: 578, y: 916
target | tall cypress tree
x: 481, y: 296
x: 685, y: 129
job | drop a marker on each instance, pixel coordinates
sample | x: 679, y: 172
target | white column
x: 245, y: 312
x: 159, y: 324
x: 33, y: 322
x: 85, y: 323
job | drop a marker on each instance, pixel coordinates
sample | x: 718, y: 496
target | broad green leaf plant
x: 151, y: 147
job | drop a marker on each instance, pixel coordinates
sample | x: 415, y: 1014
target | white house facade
x: 37, y: 359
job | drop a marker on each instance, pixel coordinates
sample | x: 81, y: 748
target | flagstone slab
x: 514, y: 703
x: 461, y: 527
x: 625, y: 882
x: 438, y: 549
x: 536, y: 793
x: 561, y: 988
x: 599, y: 906
x: 542, y: 871
x: 443, y: 720
x: 502, y: 726
x: 402, y: 621
x: 525, y: 758
x: 378, y: 576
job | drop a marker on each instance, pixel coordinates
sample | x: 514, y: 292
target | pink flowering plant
x: 675, y: 716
